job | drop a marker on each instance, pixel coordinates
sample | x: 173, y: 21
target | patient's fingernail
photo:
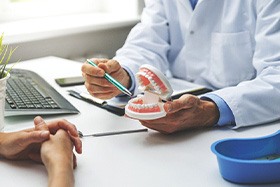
x: 45, y: 133
x: 38, y: 120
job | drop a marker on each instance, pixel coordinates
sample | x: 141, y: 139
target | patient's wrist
x: 1, y: 145
x: 61, y: 174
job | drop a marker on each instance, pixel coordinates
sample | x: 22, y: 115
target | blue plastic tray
x: 251, y: 160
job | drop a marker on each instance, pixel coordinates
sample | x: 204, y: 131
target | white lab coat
x: 232, y: 46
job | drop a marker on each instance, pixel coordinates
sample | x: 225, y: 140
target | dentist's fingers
x: 184, y: 102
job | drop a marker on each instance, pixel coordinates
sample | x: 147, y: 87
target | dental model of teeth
x: 156, y: 88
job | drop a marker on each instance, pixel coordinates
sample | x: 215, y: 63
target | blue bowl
x: 249, y: 160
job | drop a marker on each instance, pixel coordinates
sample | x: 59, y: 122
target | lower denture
x: 141, y: 107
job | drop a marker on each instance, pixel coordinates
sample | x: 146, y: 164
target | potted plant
x: 5, y: 55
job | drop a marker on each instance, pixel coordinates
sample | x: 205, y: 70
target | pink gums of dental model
x: 143, y: 110
x: 156, y: 88
x: 154, y: 77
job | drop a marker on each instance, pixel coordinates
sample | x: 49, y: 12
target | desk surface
x: 140, y: 159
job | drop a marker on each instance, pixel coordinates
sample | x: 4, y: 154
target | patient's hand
x: 25, y: 144
x: 59, y: 159
x: 19, y: 145
x: 55, y: 125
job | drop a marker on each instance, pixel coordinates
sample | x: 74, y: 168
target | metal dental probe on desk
x: 111, y: 133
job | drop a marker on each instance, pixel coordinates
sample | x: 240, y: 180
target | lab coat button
x: 191, y: 32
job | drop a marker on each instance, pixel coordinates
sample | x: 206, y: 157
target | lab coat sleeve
x: 148, y: 40
x: 257, y: 101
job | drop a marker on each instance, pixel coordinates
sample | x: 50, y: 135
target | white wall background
x: 76, y: 45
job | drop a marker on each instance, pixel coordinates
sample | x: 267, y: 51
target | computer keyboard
x: 29, y: 94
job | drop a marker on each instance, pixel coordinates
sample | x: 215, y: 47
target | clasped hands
x: 46, y: 143
x: 187, y: 112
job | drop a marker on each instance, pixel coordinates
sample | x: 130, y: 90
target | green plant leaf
x: 5, y: 56
x: 1, y: 40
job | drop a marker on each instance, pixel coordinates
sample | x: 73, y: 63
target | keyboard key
x: 30, y: 94
x: 23, y: 92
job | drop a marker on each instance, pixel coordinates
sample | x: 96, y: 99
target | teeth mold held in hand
x: 156, y: 88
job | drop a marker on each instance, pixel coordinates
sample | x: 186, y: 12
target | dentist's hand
x: 187, y: 112
x: 95, y: 82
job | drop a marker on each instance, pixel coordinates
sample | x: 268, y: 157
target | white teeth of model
x: 154, y: 105
x: 147, y: 106
x: 139, y: 74
x: 133, y: 105
x: 157, y: 88
x: 147, y: 76
x: 150, y: 79
x: 153, y: 82
x: 143, y: 106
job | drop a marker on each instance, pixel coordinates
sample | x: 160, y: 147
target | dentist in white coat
x: 231, y: 46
